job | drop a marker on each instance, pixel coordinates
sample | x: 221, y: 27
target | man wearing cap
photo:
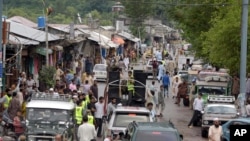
x: 215, y: 131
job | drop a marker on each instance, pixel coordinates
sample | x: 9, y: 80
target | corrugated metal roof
x: 128, y: 36
x: 100, y: 39
x: 66, y: 27
x: 31, y: 33
x: 18, y: 40
x: 23, y: 21
x: 107, y: 27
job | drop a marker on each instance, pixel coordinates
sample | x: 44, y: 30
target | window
x: 221, y: 110
x: 123, y: 119
x: 212, y: 90
x: 100, y: 68
x: 156, y: 136
x: 36, y: 114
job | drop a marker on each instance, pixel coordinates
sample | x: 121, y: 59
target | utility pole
x: 1, y: 47
x: 46, y: 39
x: 243, y: 54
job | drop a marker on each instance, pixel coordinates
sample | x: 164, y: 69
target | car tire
x: 204, y: 133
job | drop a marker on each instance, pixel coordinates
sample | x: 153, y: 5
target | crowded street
x: 180, y: 116
x: 134, y: 70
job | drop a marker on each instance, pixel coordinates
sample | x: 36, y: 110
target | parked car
x: 123, y: 115
x: 100, y: 71
x: 152, y: 131
x: 226, y: 127
x: 222, y: 109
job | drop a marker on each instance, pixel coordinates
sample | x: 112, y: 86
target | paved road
x: 180, y: 116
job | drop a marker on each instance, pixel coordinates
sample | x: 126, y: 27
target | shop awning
x: 128, y: 36
x: 100, y: 39
x: 118, y: 40
x: 42, y: 51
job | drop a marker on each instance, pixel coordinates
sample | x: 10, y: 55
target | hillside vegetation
x: 64, y: 11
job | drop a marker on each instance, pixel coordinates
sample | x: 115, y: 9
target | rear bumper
x: 101, y: 77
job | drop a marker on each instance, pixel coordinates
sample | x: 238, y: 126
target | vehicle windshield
x: 202, y: 75
x: 183, y: 72
x: 100, y: 68
x: 156, y: 136
x: 221, y: 110
x: 50, y: 115
x: 123, y: 119
x: 191, y: 77
x: 212, y: 90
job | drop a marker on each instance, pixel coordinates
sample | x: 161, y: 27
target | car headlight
x: 205, y: 122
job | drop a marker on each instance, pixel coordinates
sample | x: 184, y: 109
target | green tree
x: 222, y: 41
x: 17, y: 11
x: 138, y: 11
x: 194, y: 20
x: 46, y: 76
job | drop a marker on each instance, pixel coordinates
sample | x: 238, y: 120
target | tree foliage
x: 138, y: 11
x: 46, y: 76
x: 222, y: 41
x: 64, y: 11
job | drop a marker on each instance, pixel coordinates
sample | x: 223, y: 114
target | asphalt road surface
x: 180, y: 116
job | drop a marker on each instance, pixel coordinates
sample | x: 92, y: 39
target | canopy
x: 118, y: 40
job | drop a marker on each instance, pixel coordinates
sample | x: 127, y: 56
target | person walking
x: 86, y: 131
x: 161, y: 102
x: 17, y: 123
x: 248, y: 86
x: 192, y: 93
x: 94, y: 89
x: 5, y: 100
x: 161, y: 71
x: 215, y: 131
x: 14, y: 106
x: 182, y: 91
x: 155, y: 68
x: 175, y: 85
x: 198, y: 106
x: 248, y: 108
x: 166, y: 83
x: 236, y: 86
x: 99, y: 115
x: 111, y: 107
x: 79, y: 112
x: 126, y: 63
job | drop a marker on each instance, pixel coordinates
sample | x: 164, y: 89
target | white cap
x: 51, y: 89
x: 216, y: 119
